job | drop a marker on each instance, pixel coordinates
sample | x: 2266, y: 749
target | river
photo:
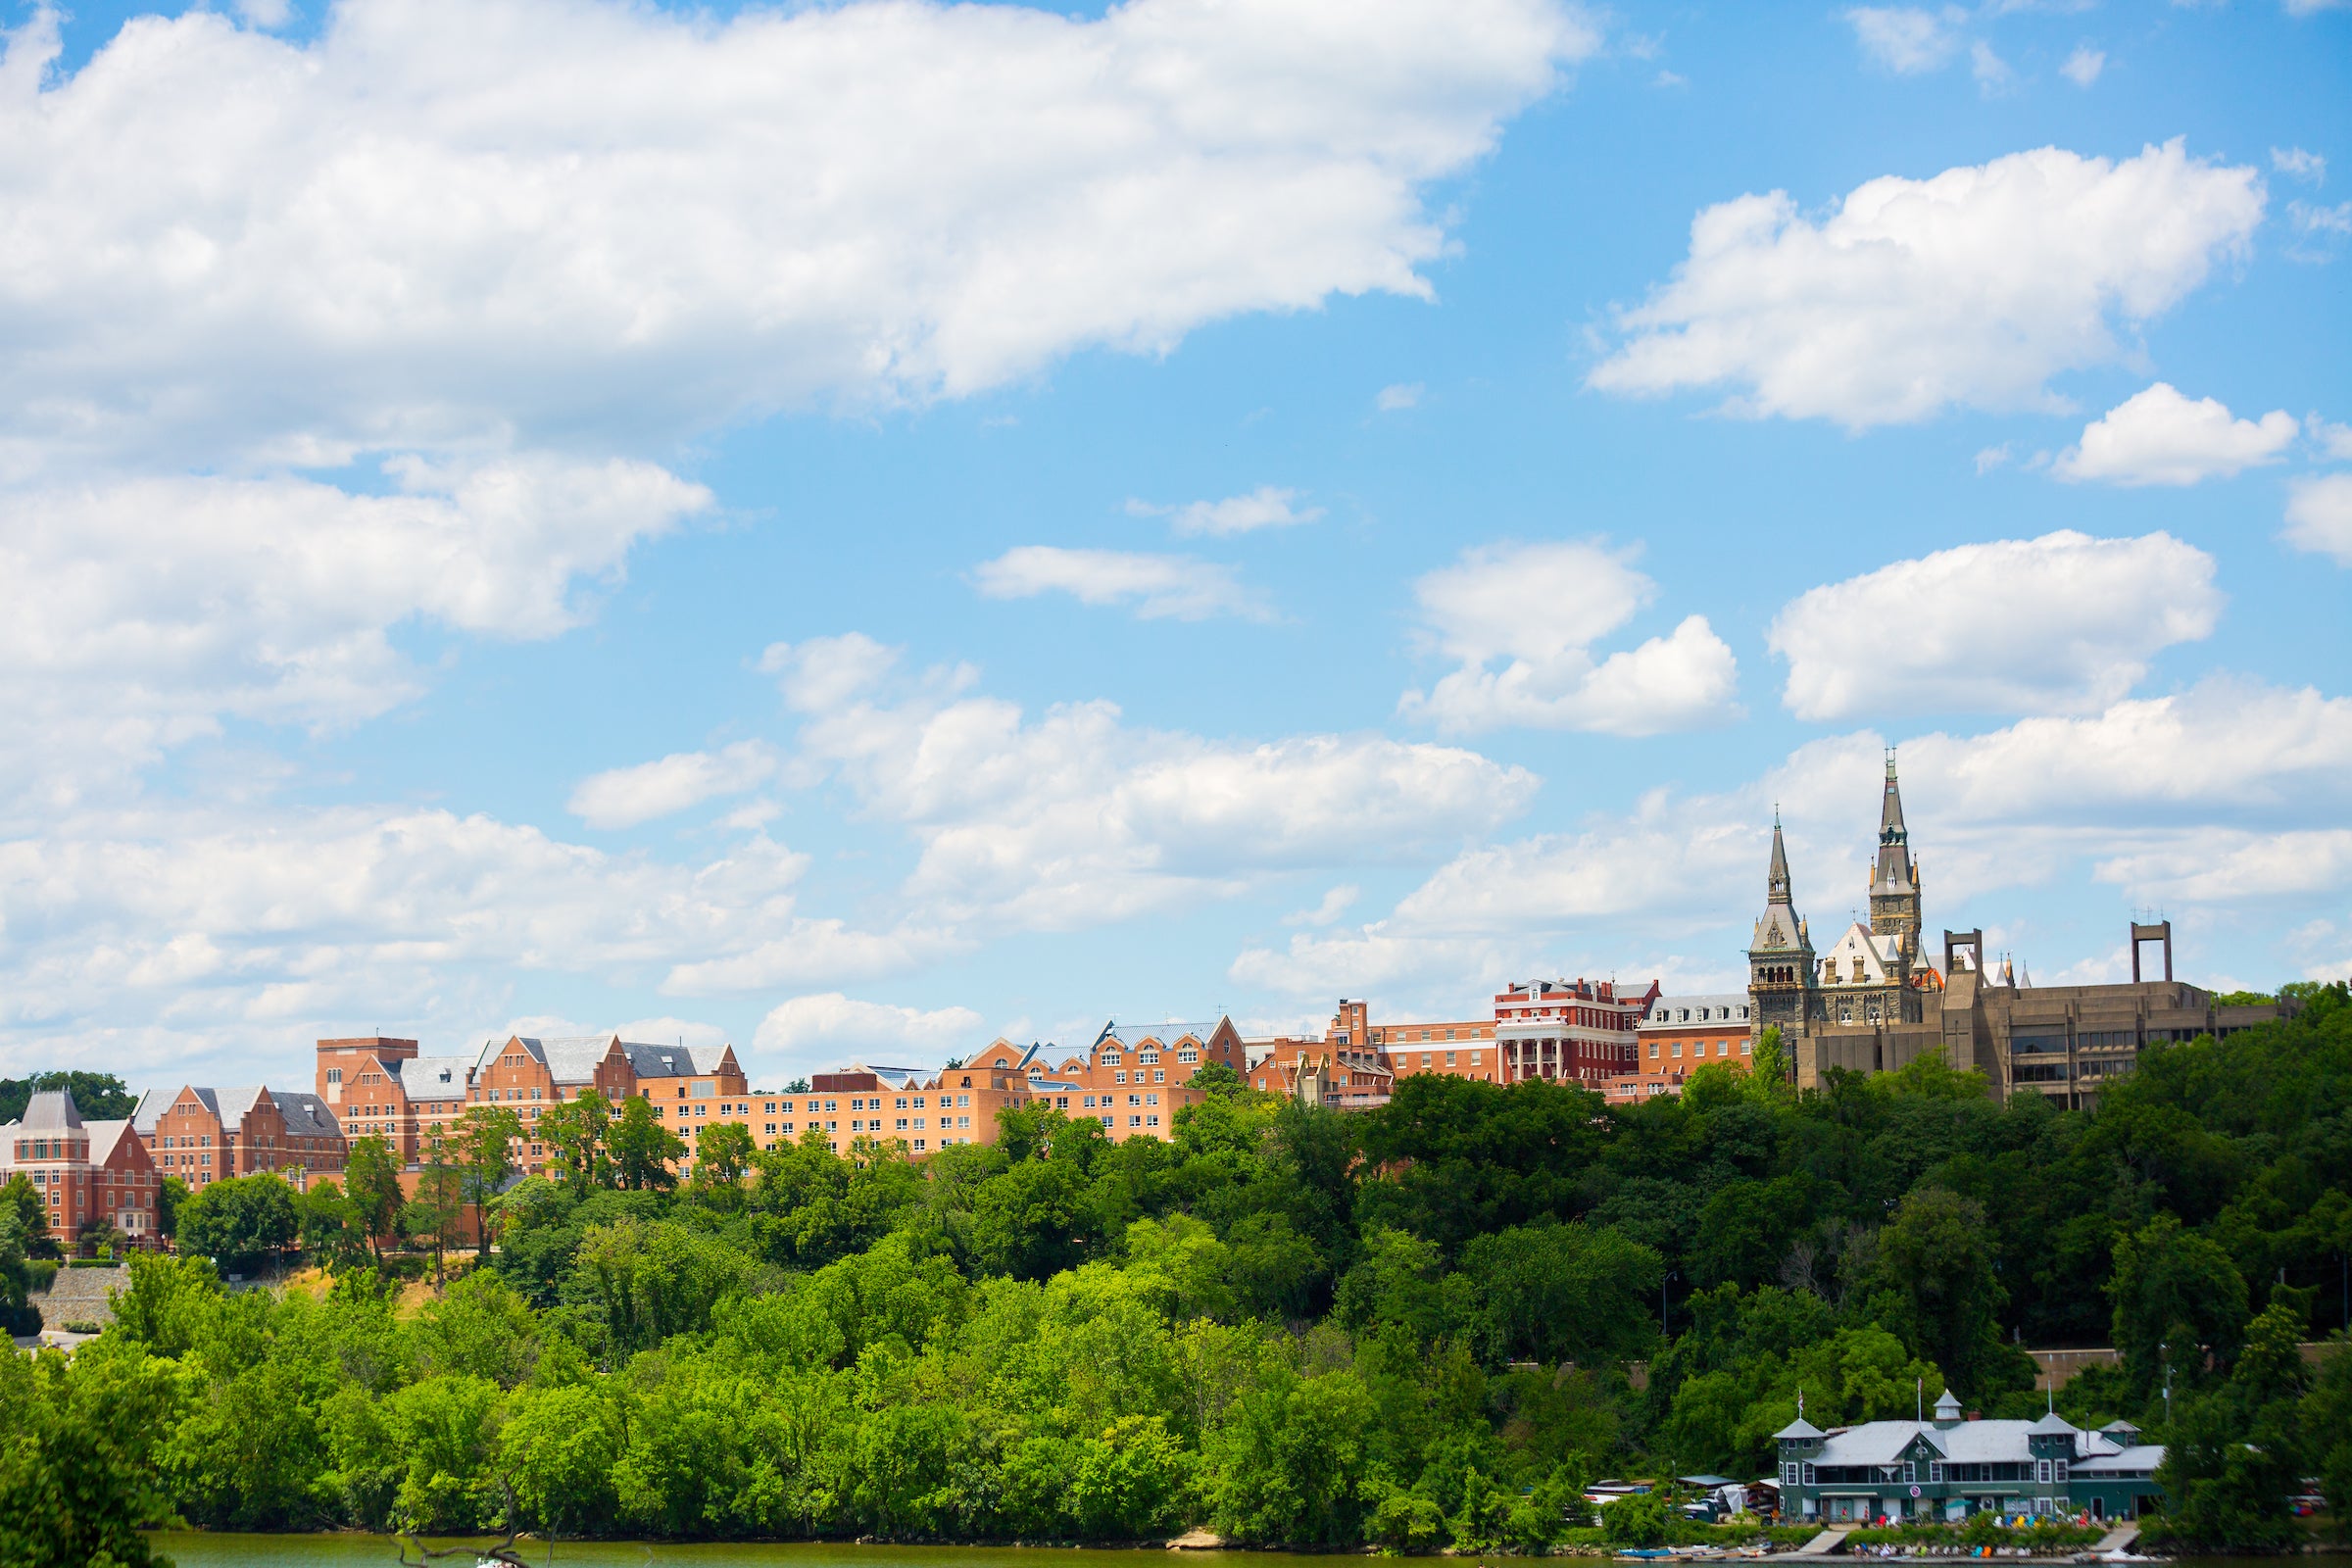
x: 195, y: 1549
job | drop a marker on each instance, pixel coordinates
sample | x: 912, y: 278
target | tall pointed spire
x: 1776, y: 880
x: 1894, y: 872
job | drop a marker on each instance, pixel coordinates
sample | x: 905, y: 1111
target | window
x: 2044, y: 1468
x: 1747, y: 1048
x: 1808, y: 1477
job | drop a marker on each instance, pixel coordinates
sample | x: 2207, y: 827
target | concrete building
x: 1875, y: 1002
x: 202, y: 1133
x: 85, y: 1171
x: 1677, y: 1036
x: 1944, y: 1470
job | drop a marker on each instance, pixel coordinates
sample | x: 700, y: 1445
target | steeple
x: 1894, y: 879
x: 1893, y: 873
x: 1780, y: 955
x: 1776, y: 880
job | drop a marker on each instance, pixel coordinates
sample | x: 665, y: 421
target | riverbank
x: 353, y: 1549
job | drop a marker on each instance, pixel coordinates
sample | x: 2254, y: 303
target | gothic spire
x: 1776, y: 882
x: 1893, y: 873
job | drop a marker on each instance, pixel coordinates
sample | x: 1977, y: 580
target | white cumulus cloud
x: 444, y: 218
x: 624, y: 797
x: 2319, y: 516
x: 1157, y: 587
x: 2161, y: 437
x: 1074, y: 816
x: 1266, y: 506
x: 1972, y: 288
x: 1521, y: 621
x: 2083, y: 67
x: 2059, y: 624
x: 1904, y: 39
x: 830, y: 1029
x: 145, y: 610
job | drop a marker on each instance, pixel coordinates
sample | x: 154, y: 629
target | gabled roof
x: 234, y: 1105
x: 434, y: 1077
x: 108, y: 1136
x: 2051, y: 1425
x: 1799, y: 1428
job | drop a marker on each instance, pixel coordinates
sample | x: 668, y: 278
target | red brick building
x: 1680, y: 1035
x: 1570, y: 1031
x: 83, y: 1170
x: 201, y: 1135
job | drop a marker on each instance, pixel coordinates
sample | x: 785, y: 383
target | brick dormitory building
x: 83, y: 1171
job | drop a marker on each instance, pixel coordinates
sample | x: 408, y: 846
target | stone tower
x: 1894, y: 877
x: 1780, y: 958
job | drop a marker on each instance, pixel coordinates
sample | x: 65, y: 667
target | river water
x: 191, y: 1549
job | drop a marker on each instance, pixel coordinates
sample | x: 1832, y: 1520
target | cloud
x: 830, y: 1029
x: 2064, y: 622
x: 235, y: 926
x: 2232, y: 866
x: 2209, y: 794
x: 1970, y: 289
x: 1266, y: 506
x: 2335, y: 440
x: 2083, y: 67
x: 2296, y: 164
x: 1399, y: 396
x: 1074, y: 817
x: 624, y: 797
x: 1334, y: 904
x: 1993, y: 73
x: 144, y: 612
x: 2319, y: 516
x: 1157, y: 587
x: 617, y: 222
x: 1537, y: 609
x: 2160, y: 437
x: 1904, y: 39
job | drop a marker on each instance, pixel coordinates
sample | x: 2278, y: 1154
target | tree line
x: 1433, y: 1323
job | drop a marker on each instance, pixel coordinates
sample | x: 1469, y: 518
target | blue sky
x: 855, y: 529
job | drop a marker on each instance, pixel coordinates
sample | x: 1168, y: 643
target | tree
x: 241, y: 1222
x: 723, y: 1156
x: 2236, y: 1453
x: 78, y: 1482
x: 1555, y: 1292
x: 331, y: 1230
x: 2178, y: 1299
x: 373, y: 1179
x: 21, y: 1201
x: 169, y: 1194
x: 645, y: 1152
x: 97, y: 1096
x: 573, y: 1132
x: 485, y: 1149
x: 1935, y: 1266
x: 436, y: 1215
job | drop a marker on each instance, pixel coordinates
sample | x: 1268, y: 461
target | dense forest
x: 1428, y: 1324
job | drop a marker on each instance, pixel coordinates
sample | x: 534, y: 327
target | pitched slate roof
x: 306, y: 1116
x: 1967, y: 1442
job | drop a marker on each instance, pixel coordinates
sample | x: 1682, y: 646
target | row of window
x: 2043, y: 1472
x: 1699, y: 1048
